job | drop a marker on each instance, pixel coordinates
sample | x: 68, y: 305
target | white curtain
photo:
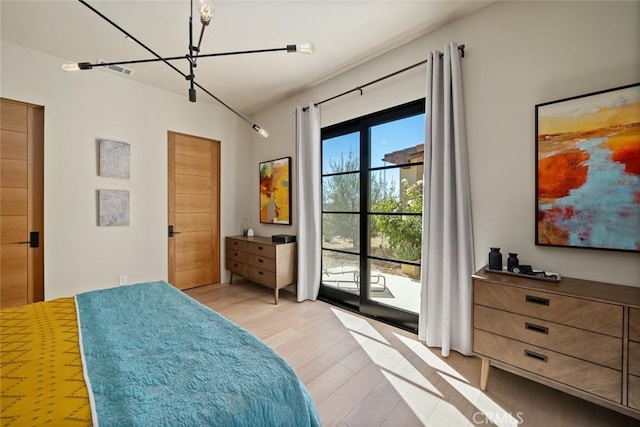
x: 308, y: 201
x: 447, y: 234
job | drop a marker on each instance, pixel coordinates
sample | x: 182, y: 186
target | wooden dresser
x: 260, y: 260
x: 634, y: 359
x: 578, y: 336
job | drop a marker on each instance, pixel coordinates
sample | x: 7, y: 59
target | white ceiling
x: 345, y: 34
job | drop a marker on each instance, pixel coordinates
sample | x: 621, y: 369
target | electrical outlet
x: 122, y: 280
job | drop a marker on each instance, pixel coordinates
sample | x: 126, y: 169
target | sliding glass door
x: 372, y: 170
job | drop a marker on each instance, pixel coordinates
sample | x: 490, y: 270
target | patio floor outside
x: 389, y: 285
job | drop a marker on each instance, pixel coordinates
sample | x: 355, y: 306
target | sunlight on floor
x: 425, y: 398
x: 480, y: 400
x: 359, y: 324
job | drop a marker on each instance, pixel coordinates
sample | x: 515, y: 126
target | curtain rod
x: 359, y: 88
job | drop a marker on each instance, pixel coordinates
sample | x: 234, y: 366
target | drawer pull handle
x: 235, y: 265
x: 536, y: 328
x: 235, y: 254
x: 537, y: 300
x: 260, y: 248
x: 260, y: 260
x: 261, y: 273
x: 535, y: 355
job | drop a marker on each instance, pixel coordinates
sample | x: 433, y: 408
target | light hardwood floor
x: 361, y: 372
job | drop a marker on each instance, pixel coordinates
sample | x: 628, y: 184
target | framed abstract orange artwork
x: 588, y: 170
x: 275, y: 191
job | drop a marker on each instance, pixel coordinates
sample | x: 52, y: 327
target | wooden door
x: 21, y: 203
x: 194, y: 211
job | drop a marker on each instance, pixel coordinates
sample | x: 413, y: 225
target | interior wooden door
x: 194, y: 211
x: 21, y: 203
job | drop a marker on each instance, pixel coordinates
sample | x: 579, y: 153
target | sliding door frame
x: 362, y: 303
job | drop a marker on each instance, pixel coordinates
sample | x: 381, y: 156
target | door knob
x: 171, y: 232
x: 34, y: 242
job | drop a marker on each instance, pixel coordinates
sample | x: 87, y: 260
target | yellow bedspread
x: 41, y: 377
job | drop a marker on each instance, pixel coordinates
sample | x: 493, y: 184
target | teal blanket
x: 155, y: 357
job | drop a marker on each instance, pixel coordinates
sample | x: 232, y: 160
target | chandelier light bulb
x: 71, y: 66
x: 206, y: 12
x: 261, y: 131
x: 305, y: 48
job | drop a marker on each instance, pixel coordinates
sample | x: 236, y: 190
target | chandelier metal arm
x: 243, y: 52
x: 257, y: 128
x: 175, y: 58
x: 199, y: 42
x: 191, y: 78
x: 223, y: 103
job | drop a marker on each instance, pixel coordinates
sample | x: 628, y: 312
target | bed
x: 141, y: 355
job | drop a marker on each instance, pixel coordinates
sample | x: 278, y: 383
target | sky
x: 385, y: 138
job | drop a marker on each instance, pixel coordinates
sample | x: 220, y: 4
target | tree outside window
x: 402, y: 233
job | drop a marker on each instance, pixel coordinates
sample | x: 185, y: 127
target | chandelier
x: 192, y: 56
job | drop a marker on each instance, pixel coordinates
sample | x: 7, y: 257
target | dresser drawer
x: 634, y: 358
x: 268, y: 251
x: 237, y: 245
x: 590, y: 346
x: 261, y: 262
x: 236, y: 267
x: 237, y: 255
x: 634, y: 324
x: 595, y: 379
x: 261, y: 276
x: 634, y: 392
x: 581, y: 313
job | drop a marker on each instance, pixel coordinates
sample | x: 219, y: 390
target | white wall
x: 518, y: 54
x: 82, y: 107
